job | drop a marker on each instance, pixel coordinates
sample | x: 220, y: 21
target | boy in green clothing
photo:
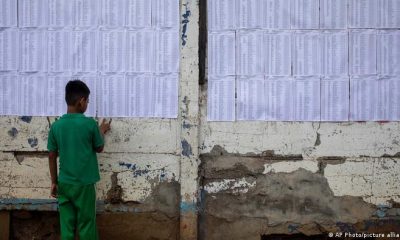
x: 76, y: 138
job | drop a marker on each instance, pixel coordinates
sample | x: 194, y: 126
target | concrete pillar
x: 189, y: 117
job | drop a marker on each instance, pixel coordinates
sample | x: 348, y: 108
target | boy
x: 76, y: 139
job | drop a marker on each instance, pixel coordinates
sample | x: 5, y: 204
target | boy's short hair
x: 75, y: 90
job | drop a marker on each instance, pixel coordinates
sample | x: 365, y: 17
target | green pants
x: 77, y: 206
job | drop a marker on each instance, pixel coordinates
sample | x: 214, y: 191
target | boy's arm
x: 53, y: 172
x: 99, y: 137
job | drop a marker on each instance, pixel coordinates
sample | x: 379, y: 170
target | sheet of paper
x: 113, y: 13
x: 9, y: 49
x: 250, y: 57
x: 278, y: 53
x: 33, y: 95
x: 279, y: 98
x: 250, y: 98
x: 60, y: 13
x: 140, y: 90
x: 306, y: 53
x: 389, y: 13
x: 335, y: 57
x: 55, y: 97
x: 33, y: 51
x: 59, y: 51
x: 221, y: 54
x: 84, y: 51
x: 388, y: 98
x: 165, y: 13
x: 364, y: 98
x: 8, y: 13
x: 113, y: 51
x: 33, y: 13
x: 167, y: 54
x: 304, y: 14
x: 112, y: 96
x: 139, y: 13
x: 363, y: 13
x: 221, y: 99
x: 335, y: 97
x: 86, y: 13
x: 166, y: 96
x: 249, y: 13
x: 307, y: 104
x: 388, y: 52
x: 275, y: 14
x: 362, y: 52
x: 333, y: 14
x: 9, y: 94
x: 140, y: 50
x: 221, y: 15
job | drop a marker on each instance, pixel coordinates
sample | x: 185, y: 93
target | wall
x: 252, y: 178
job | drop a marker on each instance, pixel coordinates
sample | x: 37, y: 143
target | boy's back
x: 76, y: 137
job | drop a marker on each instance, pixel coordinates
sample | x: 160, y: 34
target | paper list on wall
x: 249, y: 13
x: 141, y: 92
x: 9, y: 49
x: 251, y: 98
x: 221, y: 15
x: 84, y: 51
x: 388, y: 52
x: 166, y: 96
x: 304, y: 14
x: 140, y: 50
x: 138, y: 13
x: 167, y: 54
x: 389, y: 98
x: 221, y: 99
x: 33, y: 56
x: 333, y: 14
x: 364, y: 98
x: 56, y: 105
x: 33, y: 13
x: 334, y: 45
x: 85, y: 13
x: 279, y: 99
x: 277, y: 53
x: 9, y: 101
x: 362, y: 52
x: 111, y: 96
x: 307, y: 102
x: 165, y: 13
x: 363, y: 13
x: 250, y: 57
x: 221, y: 53
x: 8, y: 13
x: 306, y: 53
x: 276, y: 14
x: 59, y: 51
x: 60, y: 13
x: 33, y: 95
x: 335, y: 99
x: 389, y: 13
x: 113, y: 51
x: 113, y: 13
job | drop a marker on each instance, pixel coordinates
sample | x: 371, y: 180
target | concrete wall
x: 251, y: 178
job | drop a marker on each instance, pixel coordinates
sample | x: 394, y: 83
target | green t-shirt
x: 75, y: 137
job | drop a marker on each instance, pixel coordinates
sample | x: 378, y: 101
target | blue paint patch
x: 139, y: 172
x: 128, y: 165
x: 26, y: 119
x: 292, y: 228
x: 186, y: 125
x: 185, y: 22
x: 188, y: 207
x: 33, y: 142
x: 186, y: 148
x: 13, y: 132
x: 381, y: 211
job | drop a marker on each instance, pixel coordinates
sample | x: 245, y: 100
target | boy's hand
x: 105, y: 126
x: 53, y: 191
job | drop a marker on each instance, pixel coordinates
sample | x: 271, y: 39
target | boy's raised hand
x: 105, y: 126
